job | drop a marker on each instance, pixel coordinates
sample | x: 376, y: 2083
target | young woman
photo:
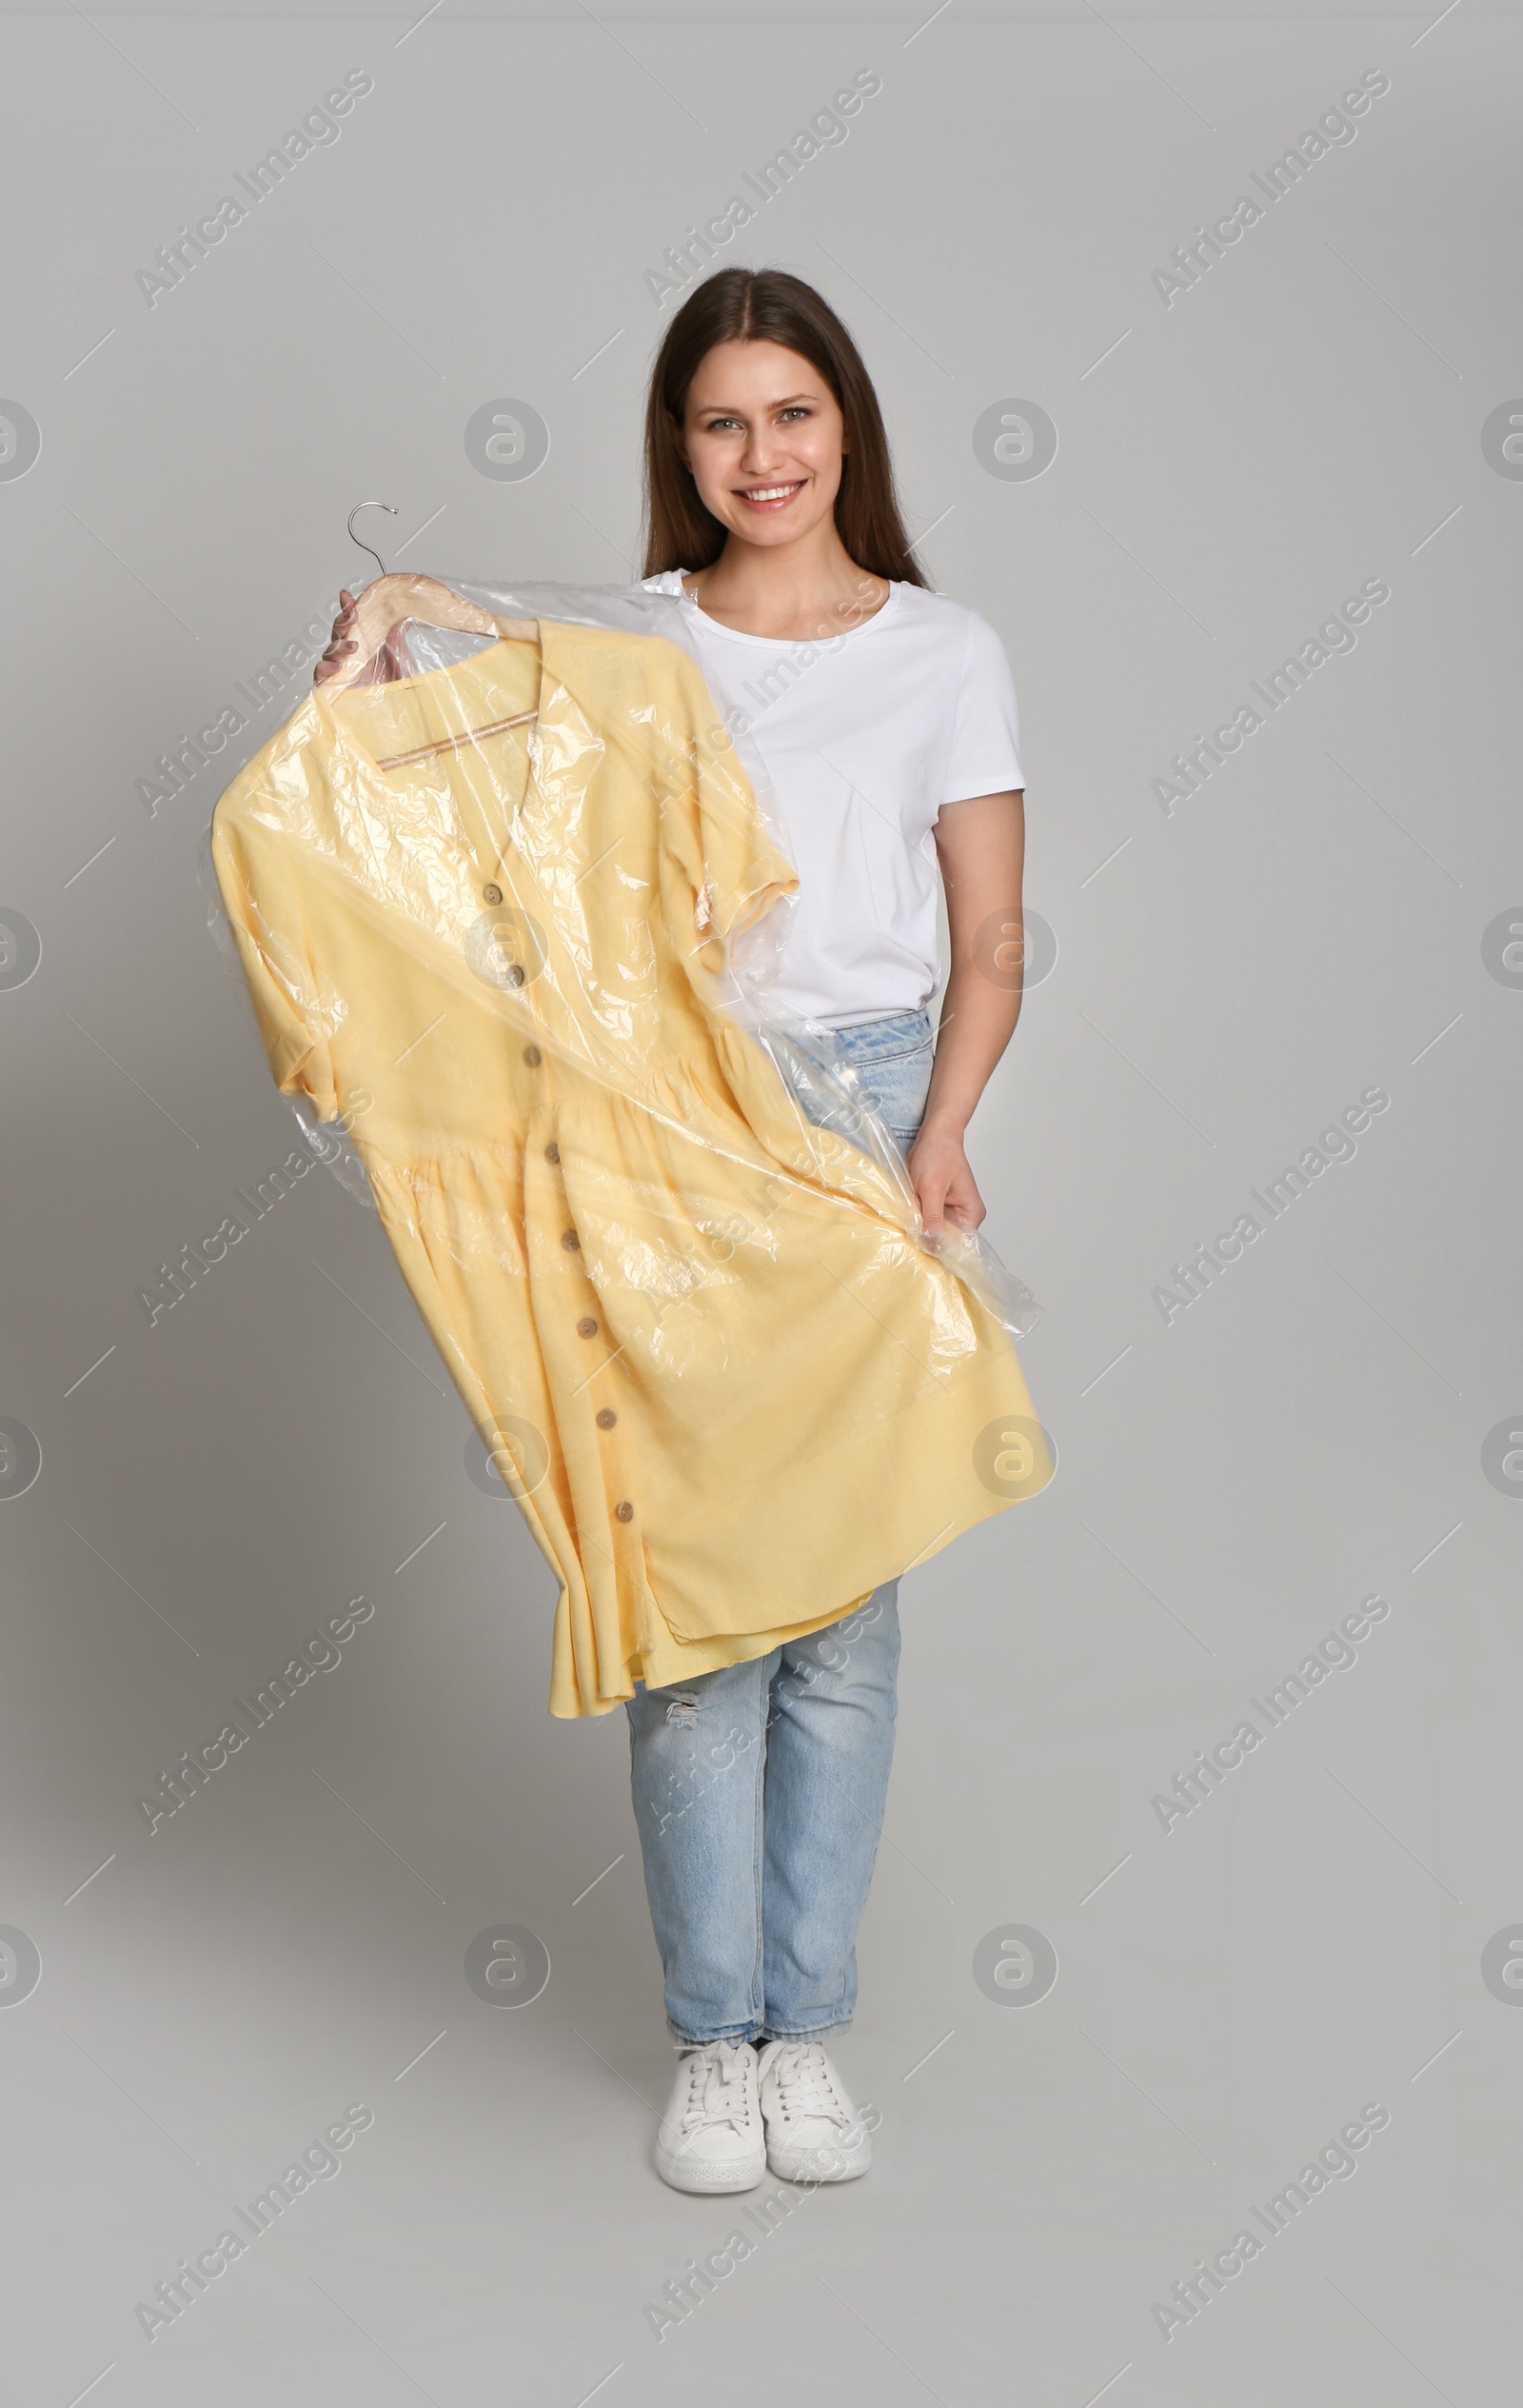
x: 885, y: 718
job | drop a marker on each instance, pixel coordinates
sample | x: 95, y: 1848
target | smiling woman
x: 887, y: 727
x: 758, y: 384
x: 883, y: 718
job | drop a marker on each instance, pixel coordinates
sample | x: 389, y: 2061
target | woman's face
x: 764, y: 436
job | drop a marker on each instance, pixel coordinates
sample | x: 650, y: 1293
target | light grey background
x: 214, y: 1486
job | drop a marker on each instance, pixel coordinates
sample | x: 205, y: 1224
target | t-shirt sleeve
x: 985, y: 755
x: 260, y: 885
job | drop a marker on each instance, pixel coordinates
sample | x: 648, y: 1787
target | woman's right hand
x: 342, y: 643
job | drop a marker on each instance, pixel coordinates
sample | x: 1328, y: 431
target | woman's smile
x: 769, y: 497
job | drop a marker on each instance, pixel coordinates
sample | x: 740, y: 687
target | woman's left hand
x: 943, y: 1181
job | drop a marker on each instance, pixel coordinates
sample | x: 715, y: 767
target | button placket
x: 607, y: 1420
x: 588, y: 1325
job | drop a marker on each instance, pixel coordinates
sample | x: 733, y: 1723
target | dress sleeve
x: 722, y: 871
x: 258, y: 872
x: 985, y: 755
x: 726, y: 889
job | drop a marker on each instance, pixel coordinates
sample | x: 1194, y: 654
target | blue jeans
x: 758, y: 1789
x: 892, y: 1057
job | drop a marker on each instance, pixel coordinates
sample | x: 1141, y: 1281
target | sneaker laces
x: 716, y: 2088
x: 801, y: 2075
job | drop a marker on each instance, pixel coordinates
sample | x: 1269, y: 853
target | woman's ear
x: 678, y: 443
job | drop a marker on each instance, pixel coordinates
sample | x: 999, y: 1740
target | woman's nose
x: 762, y: 450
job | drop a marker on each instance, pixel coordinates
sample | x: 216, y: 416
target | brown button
x: 533, y: 1056
x: 492, y: 894
x: 586, y: 1327
x: 552, y: 1153
x: 570, y: 1241
x: 607, y: 1417
x: 624, y: 1509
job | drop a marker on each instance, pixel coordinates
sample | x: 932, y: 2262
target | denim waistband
x: 880, y: 1040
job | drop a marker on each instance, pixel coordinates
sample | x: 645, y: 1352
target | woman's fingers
x: 332, y: 661
x: 945, y: 1189
x: 963, y: 1204
x: 930, y: 1184
x: 339, y: 648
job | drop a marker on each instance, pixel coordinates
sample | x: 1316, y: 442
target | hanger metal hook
x: 356, y: 539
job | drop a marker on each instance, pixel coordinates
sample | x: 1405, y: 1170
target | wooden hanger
x: 391, y: 600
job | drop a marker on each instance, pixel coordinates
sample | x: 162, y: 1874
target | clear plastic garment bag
x: 508, y: 897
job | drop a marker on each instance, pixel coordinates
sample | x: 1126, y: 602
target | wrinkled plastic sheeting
x: 827, y: 1092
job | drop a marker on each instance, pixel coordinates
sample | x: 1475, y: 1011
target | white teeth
x: 771, y: 492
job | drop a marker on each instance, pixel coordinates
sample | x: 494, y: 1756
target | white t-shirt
x: 865, y: 736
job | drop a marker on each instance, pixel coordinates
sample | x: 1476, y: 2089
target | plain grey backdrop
x: 1331, y: 397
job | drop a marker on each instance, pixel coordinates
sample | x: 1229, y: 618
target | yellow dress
x: 483, y: 915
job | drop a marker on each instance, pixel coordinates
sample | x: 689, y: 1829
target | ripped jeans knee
x: 696, y: 1776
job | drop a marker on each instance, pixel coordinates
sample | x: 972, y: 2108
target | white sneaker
x: 814, y: 2133
x: 711, y: 2136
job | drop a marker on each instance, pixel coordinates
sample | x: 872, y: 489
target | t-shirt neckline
x: 788, y: 643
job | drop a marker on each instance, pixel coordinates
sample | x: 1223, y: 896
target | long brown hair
x: 762, y: 304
